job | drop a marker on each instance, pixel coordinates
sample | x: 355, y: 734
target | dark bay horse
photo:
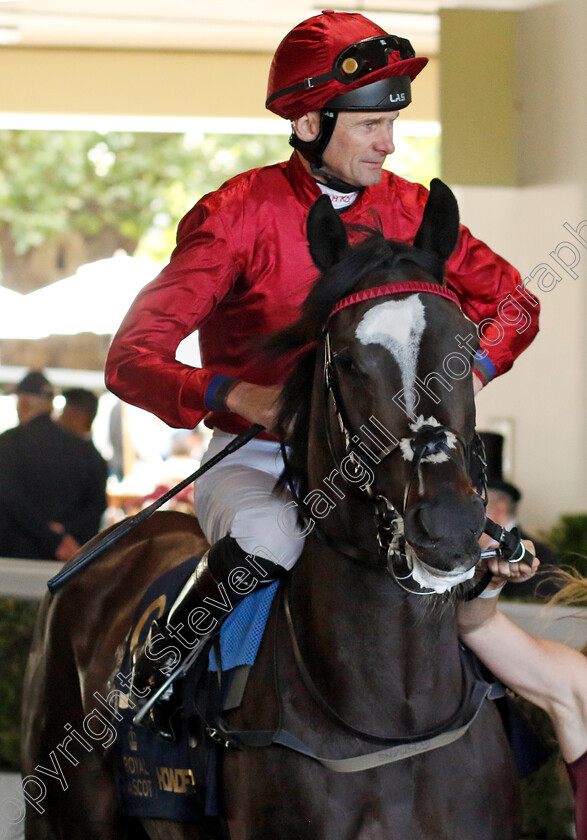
x: 361, y: 654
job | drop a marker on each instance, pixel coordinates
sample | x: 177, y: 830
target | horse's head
x: 392, y: 427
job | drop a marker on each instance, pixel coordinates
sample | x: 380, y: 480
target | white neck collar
x: 339, y: 200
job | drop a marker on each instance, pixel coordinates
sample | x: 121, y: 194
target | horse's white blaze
x: 438, y: 457
x: 397, y: 325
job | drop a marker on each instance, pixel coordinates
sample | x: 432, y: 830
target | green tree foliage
x: 569, y: 538
x: 129, y: 183
x: 17, y: 619
x: 137, y: 184
x: 52, y: 181
x: 416, y: 158
x: 547, y: 799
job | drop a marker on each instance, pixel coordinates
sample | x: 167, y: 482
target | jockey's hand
x: 256, y: 403
x: 504, y: 572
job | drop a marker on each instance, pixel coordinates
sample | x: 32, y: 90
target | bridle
x: 428, y: 441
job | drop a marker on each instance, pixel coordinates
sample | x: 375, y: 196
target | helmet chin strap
x: 332, y: 181
x: 313, y: 151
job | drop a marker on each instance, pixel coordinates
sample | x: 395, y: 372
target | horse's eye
x: 345, y: 363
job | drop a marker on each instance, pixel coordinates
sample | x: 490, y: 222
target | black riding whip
x: 128, y: 524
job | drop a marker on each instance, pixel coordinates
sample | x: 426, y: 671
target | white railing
x: 27, y: 580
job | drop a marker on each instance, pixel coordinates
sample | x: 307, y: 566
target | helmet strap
x: 313, y: 150
x: 332, y: 181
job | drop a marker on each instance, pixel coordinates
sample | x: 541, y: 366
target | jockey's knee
x: 265, y: 533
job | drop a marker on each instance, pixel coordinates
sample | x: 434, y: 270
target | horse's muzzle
x: 444, y: 532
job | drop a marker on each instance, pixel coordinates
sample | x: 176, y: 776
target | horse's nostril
x: 421, y: 521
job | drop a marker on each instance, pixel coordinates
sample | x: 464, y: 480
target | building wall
x: 155, y: 84
x: 542, y: 402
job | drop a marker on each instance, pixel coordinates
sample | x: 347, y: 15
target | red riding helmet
x: 327, y: 57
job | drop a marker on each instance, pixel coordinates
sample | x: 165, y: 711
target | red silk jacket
x: 242, y: 268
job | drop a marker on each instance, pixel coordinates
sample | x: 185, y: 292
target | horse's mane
x: 373, y: 256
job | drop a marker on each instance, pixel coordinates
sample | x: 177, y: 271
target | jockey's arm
x: 256, y: 403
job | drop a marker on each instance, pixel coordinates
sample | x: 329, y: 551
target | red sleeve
x: 141, y: 368
x: 492, y: 294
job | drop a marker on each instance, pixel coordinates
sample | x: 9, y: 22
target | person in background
x: 503, y: 500
x: 77, y: 416
x: 547, y: 673
x: 52, y: 494
x: 79, y: 411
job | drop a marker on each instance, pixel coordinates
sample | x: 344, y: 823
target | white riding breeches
x: 237, y: 497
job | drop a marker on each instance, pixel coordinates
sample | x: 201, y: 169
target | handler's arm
x: 549, y: 674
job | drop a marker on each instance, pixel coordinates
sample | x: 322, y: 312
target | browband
x: 396, y: 289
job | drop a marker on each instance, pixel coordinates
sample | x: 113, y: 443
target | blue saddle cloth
x: 154, y: 777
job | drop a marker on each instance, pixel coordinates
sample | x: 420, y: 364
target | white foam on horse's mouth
x: 440, y: 582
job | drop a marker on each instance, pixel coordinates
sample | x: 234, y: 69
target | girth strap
x: 264, y: 738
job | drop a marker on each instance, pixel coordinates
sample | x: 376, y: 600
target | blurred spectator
x: 180, y: 462
x: 503, y: 500
x: 79, y: 411
x: 77, y: 416
x: 52, y: 488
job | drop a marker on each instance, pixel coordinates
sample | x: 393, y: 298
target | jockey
x: 241, y: 270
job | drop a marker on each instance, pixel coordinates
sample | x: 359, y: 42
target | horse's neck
x: 371, y: 647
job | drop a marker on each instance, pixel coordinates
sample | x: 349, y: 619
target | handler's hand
x: 66, y: 548
x: 503, y: 572
x: 256, y: 403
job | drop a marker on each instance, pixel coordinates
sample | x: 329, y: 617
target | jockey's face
x: 359, y: 144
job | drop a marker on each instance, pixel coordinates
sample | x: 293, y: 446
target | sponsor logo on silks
x: 397, y: 97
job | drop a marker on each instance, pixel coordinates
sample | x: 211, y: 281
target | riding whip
x: 129, y: 524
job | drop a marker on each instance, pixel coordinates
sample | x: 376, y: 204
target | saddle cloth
x: 155, y: 777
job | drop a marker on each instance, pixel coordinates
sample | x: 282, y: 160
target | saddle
x: 177, y: 780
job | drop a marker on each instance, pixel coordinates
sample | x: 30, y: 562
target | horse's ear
x: 327, y: 235
x: 439, y: 229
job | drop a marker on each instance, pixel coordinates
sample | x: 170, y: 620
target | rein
x: 476, y: 692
